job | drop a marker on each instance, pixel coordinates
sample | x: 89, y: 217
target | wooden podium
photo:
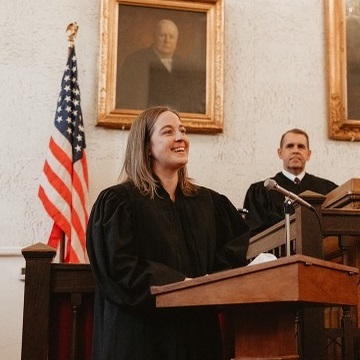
x: 263, y: 300
x: 336, y: 237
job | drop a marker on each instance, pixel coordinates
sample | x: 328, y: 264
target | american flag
x: 64, y: 183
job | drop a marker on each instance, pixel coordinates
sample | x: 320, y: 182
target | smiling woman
x: 168, y: 150
x: 154, y: 228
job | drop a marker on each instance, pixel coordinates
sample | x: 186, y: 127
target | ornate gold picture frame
x: 343, y: 55
x: 127, y: 28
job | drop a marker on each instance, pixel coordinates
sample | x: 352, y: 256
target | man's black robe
x: 266, y: 208
x: 135, y: 242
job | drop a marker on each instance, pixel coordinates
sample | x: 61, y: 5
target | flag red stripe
x: 61, y: 220
x: 72, y: 256
x: 54, y: 239
x: 54, y: 212
x: 73, y: 181
x: 57, y: 183
x: 61, y: 155
x: 78, y: 186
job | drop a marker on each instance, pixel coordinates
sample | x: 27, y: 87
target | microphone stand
x: 288, y: 206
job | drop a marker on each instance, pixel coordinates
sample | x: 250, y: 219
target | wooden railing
x: 58, y: 307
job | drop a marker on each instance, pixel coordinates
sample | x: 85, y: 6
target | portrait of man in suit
x: 160, y: 73
x: 353, y: 63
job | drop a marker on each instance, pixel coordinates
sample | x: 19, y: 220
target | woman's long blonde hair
x: 137, y: 163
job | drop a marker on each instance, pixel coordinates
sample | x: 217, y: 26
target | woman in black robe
x: 157, y: 227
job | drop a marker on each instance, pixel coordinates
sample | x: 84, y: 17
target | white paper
x: 263, y: 257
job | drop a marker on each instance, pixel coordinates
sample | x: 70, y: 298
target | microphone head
x: 270, y: 184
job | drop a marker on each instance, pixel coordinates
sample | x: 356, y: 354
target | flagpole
x: 71, y: 32
x: 63, y: 188
x: 62, y: 247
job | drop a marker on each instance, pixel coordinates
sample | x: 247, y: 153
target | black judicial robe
x: 266, y: 208
x: 134, y: 242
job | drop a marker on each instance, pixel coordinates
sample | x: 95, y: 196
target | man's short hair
x: 295, y: 131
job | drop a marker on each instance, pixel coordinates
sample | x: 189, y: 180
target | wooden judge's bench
x: 333, y: 235
x: 303, y: 306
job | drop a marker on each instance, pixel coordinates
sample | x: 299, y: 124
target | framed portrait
x: 162, y: 52
x: 343, y: 55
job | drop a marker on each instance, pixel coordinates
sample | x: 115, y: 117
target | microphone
x: 271, y: 184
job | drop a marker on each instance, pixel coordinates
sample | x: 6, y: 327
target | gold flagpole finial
x: 71, y: 32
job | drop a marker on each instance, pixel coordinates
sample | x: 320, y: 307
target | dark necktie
x: 297, y: 181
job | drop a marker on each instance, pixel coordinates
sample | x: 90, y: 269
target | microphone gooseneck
x: 271, y: 184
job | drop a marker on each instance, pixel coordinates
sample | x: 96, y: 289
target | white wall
x: 11, y: 303
x: 275, y: 79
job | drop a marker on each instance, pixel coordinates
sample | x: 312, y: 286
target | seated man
x: 266, y: 208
